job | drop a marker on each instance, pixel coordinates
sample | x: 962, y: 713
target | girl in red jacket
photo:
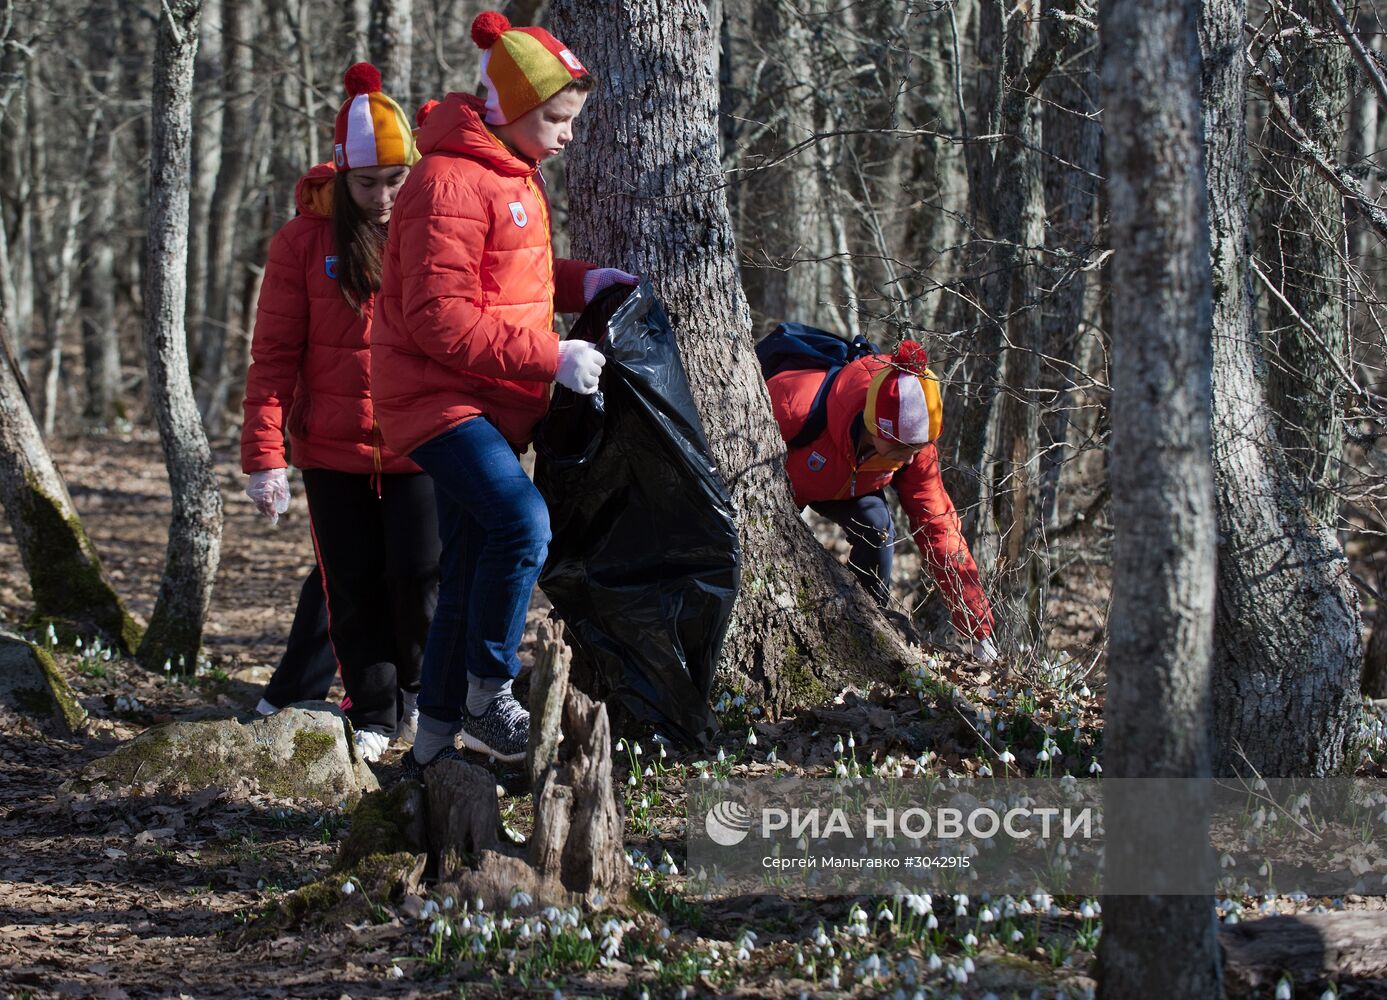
x: 463, y: 361
x: 371, y: 509
x: 884, y: 414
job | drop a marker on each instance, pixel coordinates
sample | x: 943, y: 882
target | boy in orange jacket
x: 464, y: 360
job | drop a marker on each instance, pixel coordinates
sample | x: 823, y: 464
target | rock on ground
x: 297, y: 753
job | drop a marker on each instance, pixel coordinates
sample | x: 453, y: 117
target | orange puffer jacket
x: 311, y: 355
x: 829, y: 468
x: 468, y: 288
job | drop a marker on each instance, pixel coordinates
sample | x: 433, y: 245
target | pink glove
x: 599, y: 279
x: 270, y: 492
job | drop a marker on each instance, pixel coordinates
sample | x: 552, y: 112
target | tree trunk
x: 780, y: 222
x: 1287, y: 638
x: 222, y: 322
x: 392, y: 44
x: 1161, y: 623
x: 175, y: 628
x: 645, y: 184
x: 1304, y: 244
x: 69, y: 586
x: 1073, y: 137
x: 210, y: 95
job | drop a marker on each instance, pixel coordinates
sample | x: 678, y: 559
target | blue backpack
x: 795, y: 347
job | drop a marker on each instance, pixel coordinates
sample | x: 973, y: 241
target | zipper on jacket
x: 549, y: 230
x: 375, y: 455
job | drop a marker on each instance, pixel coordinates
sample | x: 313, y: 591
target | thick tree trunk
x: 644, y: 183
x: 1161, y: 623
x: 222, y: 319
x: 1304, y: 245
x: 69, y: 586
x: 392, y: 46
x: 1287, y: 639
x: 175, y: 628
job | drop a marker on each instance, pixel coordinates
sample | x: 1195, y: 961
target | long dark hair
x: 359, y: 242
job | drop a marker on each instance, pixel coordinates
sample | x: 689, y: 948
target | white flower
x: 396, y: 972
x: 348, y: 888
x: 1007, y: 757
x: 1283, y: 990
x: 520, y: 899
x: 721, y: 755
x: 971, y: 940
x: 838, y: 747
x: 631, y: 781
x: 1043, y: 756
x: 1016, y: 936
x: 932, y: 923
x: 851, y: 742
x: 449, y: 902
x: 1086, y: 911
x: 751, y: 737
x: 935, y: 963
x: 885, y: 913
x: 986, y: 915
x: 771, y: 758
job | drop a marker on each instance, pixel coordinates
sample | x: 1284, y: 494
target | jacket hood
x: 313, y: 193
x: 456, y: 126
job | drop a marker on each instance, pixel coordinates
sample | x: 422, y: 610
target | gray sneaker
x: 503, y: 730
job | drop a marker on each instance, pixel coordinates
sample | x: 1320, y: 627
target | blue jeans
x: 493, y: 527
x: 867, y: 522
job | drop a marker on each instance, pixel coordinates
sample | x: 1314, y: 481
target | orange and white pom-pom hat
x: 903, y: 401
x: 521, y: 67
x: 371, y: 129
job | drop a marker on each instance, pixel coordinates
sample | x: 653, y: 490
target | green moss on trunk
x: 69, y: 585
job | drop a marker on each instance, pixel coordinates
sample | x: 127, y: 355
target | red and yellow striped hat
x: 371, y: 129
x: 521, y: 67
x: 903, y: 401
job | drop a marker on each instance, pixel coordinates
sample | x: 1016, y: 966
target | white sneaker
x: 371, y: 745
x: 265, y: 708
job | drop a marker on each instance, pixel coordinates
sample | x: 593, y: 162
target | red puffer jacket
x: 311, y: 355
x: 828, y: 468
x: 468, y: 288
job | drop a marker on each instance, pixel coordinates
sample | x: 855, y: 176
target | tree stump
x: 577, y: 854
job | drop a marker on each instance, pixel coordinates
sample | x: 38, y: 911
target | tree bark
x: 221, y: 319
x: 644, y: 182
x: 1304, y: 245
x: 209, y: 94
x: 1161, y: 622
x: 1287, y: 642
x: 175, y: 628
x: 392, y: 43
x: 69, y: 586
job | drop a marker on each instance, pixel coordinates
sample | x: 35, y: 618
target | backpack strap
x: 817, y: 420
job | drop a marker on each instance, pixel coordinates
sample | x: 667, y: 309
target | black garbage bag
x: 644, y: 562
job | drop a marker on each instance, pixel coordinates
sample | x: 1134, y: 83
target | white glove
x: 599, y: 279
x: 985, y: 650
x: 270, y: 492
x: 580, y: 366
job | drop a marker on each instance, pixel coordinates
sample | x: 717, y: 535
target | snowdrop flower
x: 985, y: 771
x: 969, y: 967
x: 841, y: 770
x: 1086, y: 911
x: 519, y: 899
x: 885, y: 913
x: 834, y: 975
x: 1016, y: 936
x: 348, y: 888
x: 636, y: 749
x: 970, y: 940
x: 751, y: 737
x: 396, y: 972
x: 986, y: 915
x: 771, y: 758
x: 1283, y: 990
x: 1094, y: 767
x: 1007, y: 757
x: 851, y: 741
x: 631, y: 781
x: 585, y: 934
x: 1043, y: 756
x: 935, y: 964
x: 838, y: 747
x: 721, y: 755
x: 663, y: 753
x: 449, y: 902
x: 932, y: 924
x: 649, y: 772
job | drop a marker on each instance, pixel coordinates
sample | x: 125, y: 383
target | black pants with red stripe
x: 378, y: 553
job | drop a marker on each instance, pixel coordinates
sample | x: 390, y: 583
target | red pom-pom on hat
x: 912, y: 356
x: 362, y: 78
x: 488, y: 27
x: 424, y: 111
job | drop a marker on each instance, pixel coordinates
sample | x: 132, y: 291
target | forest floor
x: 166, y: 896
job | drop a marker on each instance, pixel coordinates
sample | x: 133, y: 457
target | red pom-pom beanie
x: 903, y: 401
x: 371, y: 129
x: 521, y: 67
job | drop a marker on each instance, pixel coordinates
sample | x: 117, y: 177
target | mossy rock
x: 31, y: 686
x: 297, y: 753
x: 377, y: 881
x: 388, y: 821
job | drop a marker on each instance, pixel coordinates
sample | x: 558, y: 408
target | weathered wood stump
x: 576, y: 854
x: 1310, y: 948
x: 32, y: 687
